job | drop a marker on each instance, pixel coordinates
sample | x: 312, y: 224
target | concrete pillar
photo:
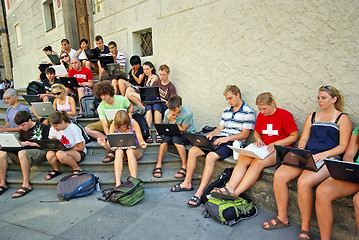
x: 5, y: 47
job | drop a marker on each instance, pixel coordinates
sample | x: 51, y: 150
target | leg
x: 356, y: 207
x: 327, y: 191
x: 134, y: 96
x: 114, y: 83
x: 182, y: 153
x: 157, y: 172
x: 25, y: 168
x: 123, y: 85
x: 94, y: 133
x: 81, y: 93
x: 149, y: 115
x: 132, y: 156
x: 118, y: 165
x: 69, y: 157
x: 3, y: 168
x: 52, y: 159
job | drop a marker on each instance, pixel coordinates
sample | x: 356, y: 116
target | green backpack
x: 230, y: 212
x: 128, y: 193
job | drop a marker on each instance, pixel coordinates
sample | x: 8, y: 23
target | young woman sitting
x: 62, y: 101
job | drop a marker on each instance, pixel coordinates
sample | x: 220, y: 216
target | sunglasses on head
x: 57, y: 93
x: 326, y: 87
x: 63, y: 56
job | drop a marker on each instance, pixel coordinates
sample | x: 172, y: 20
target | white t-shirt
x: 70, y: 136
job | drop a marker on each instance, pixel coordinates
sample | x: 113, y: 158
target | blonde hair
x: 122, y: 118
x: 233, y: 88
x: 265, y: 98
x: 58, y: 86
x: 333, y: 92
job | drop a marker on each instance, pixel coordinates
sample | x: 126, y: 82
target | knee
x: 280, y: 178
x: 323, y: 193
x: 356, y: 200
x: 21, y: 154
x: 119, y: 154
x: 60, y: 155
x: 3, y: 155
x: 194, y: 151
x: 211, y: 158
x: 304, y: 183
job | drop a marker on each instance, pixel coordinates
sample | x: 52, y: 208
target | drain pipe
x: 5, y: 46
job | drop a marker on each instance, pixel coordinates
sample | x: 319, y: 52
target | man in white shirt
x: 65, y: 47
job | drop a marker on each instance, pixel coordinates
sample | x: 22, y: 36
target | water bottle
x: 237, y: 144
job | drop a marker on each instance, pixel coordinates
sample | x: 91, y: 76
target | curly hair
x: 103, y: 88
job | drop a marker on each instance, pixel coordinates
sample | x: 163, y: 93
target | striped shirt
x: 235, y: 122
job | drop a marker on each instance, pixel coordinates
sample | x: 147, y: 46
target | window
x: 97, y: 7
x: 142, y: 42
x: 18, y: 35
x: 49, y: 15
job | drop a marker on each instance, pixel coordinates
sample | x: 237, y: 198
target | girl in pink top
x: 62, y: 101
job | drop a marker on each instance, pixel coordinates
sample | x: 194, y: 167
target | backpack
x: 89, y: 106
x: 219, y: 183
x: 229, y: 212
x: 140, y: 119
x: 35, y: 88
x: 128, y: 193
x: 76, y: 185
x: 83, y: 132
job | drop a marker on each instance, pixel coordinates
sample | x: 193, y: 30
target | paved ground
x: 160, y: 215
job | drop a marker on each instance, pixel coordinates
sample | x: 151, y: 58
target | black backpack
x: 83, y: 132
x: 219, y: 183
x: 89, y: 106
x: 35, y: 88
x: 140, y: 119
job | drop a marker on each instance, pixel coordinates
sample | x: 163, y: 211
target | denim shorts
x: 161, y: 107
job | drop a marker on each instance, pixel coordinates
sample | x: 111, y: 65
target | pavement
x: 160, y: 215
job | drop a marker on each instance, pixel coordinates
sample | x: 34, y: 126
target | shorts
x: 87, y: 92
x: 161, y: 107
x: 35, y: 156
x: 181, y: 140
x: 223, y: 151
x: 97, y: 126
x: 83, y: 155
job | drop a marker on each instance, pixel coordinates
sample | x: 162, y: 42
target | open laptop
x: 150, y: 95
x: 345, y: 171
x: 51, y: 144
x: 42, y: 66
x: 296, y: 157
x: 43, y: 108
x: 69, y: 82
x: 31, y: 98
x: 9, y: 142
x: 167, y: 129
x: 121, y: 140
x: 201, y: 141
x: 114, y: 70
x: 104, y: 60
x: 110, y: 113
x: 54, y: 59
x: 59, y: 70
x: 92, y: 55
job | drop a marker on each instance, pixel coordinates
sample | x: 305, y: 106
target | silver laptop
x: 9, y: 142
x: 121, y: 140
x: 167, y: 129
x: 59, y: 70
x: 110, y: 113
x: 345, y: 171
x: 296, y: 157
x: 43, y: 108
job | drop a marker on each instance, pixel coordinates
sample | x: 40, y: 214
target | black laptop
x: 150, y: 95
x: 69, y: 82
x: 92, y: 55
x: 121, y: 140
x: 104, y: 60
x: 201, y: 141
x: 54, y: 59
x: 296, y: 157
x: 345, y: 171
x: 31, y: 98
x: 51, y: 144
x: 42, y: 66
x: 167, y: 129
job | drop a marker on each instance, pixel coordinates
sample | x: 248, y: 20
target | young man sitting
x: 118, y: 57
x: 103, y: 50
x: 99, y: 129
x: 11, y: 99
x: 183, y: 117
x: 65, y: 47
x: 30, y: 155
x: 236, y: 123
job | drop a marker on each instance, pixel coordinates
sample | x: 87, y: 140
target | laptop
x: 296, y: 157
x: 201, y: 141
x: 43, y: 108
x: 31, y: 98
x: 167, y: 129
x: 60, y: 70
x: 42, y: 66
x: 51, y: 144
x: 9, y: 142
x: 92, y: 55
x: 150, y: 95
x: 54, y: 59
x: 114, y: 70
x: 69, y: 82
x: 121, y: 140
x: 104, y: 60
x: 345, y: 171
x: 110, y: 113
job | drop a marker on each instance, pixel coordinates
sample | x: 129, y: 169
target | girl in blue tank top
x: 326, y: 134
x: 122, y: 123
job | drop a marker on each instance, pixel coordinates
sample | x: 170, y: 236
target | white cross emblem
x: 270, y: 130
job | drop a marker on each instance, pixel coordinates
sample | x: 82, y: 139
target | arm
x: 54, y: 104
x: 239, y: 136
x: 73, y: 107
x: 215, y: 132
x: 105, y: 125
x: 138, y: 79
x: 352, y: 149
x: 172, y: 119
x: 292, y: 137
x: 79, y: 147
x: 89, y: 83
x: 130, y: 110
x: 306, y: 132
x: 138, y: 132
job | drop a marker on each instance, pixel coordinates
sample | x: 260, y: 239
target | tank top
x: 65, y: 107
x: 323, y: 135
x: 131, y: 131
x: 148, y: 83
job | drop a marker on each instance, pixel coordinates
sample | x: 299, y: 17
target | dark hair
x: 65, y: 40
x: 59, y: 116
x: 135, y: 60
x: 48, y: 48
x: 151, y: 66
x: 84, y: 40
x: 174, y: 101
x: 21, y: 117
x: 112, y: 43
x: 98, y: 38
x: 103, y: 88
x: 50, y: 70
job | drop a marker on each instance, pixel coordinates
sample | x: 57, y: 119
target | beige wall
x: 289, y: 48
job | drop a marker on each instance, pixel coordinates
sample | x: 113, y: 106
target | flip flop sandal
x: 157, y: 172
x: 3, y: 189
x: 149, y: 139
x: 182, y: 172
x: 108, y: 157
x: 196, y: 200
x: 52, y: 174
x: 218, y: 193
x: 158, y: 139
x: 178, y: 188
x: 21, y: 192
x: 278, y: 224
x: 309, y: 236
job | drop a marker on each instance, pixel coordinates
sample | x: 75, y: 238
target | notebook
x: 60, y: 70
x: 69, y: 82
x: 167, y: 129
x: 43, y: 108
x: 31, y: 98
x: 296, y: 157
x: 150, y: 95
x: 121, y: 140
x: 345, y: 171
x: 201, y: 141
x: 54, y: 59
x: 252, y: 151
x: 9, y: 142
x: 51, y: 144
x: 110, y: 113
x: 104, y: 60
